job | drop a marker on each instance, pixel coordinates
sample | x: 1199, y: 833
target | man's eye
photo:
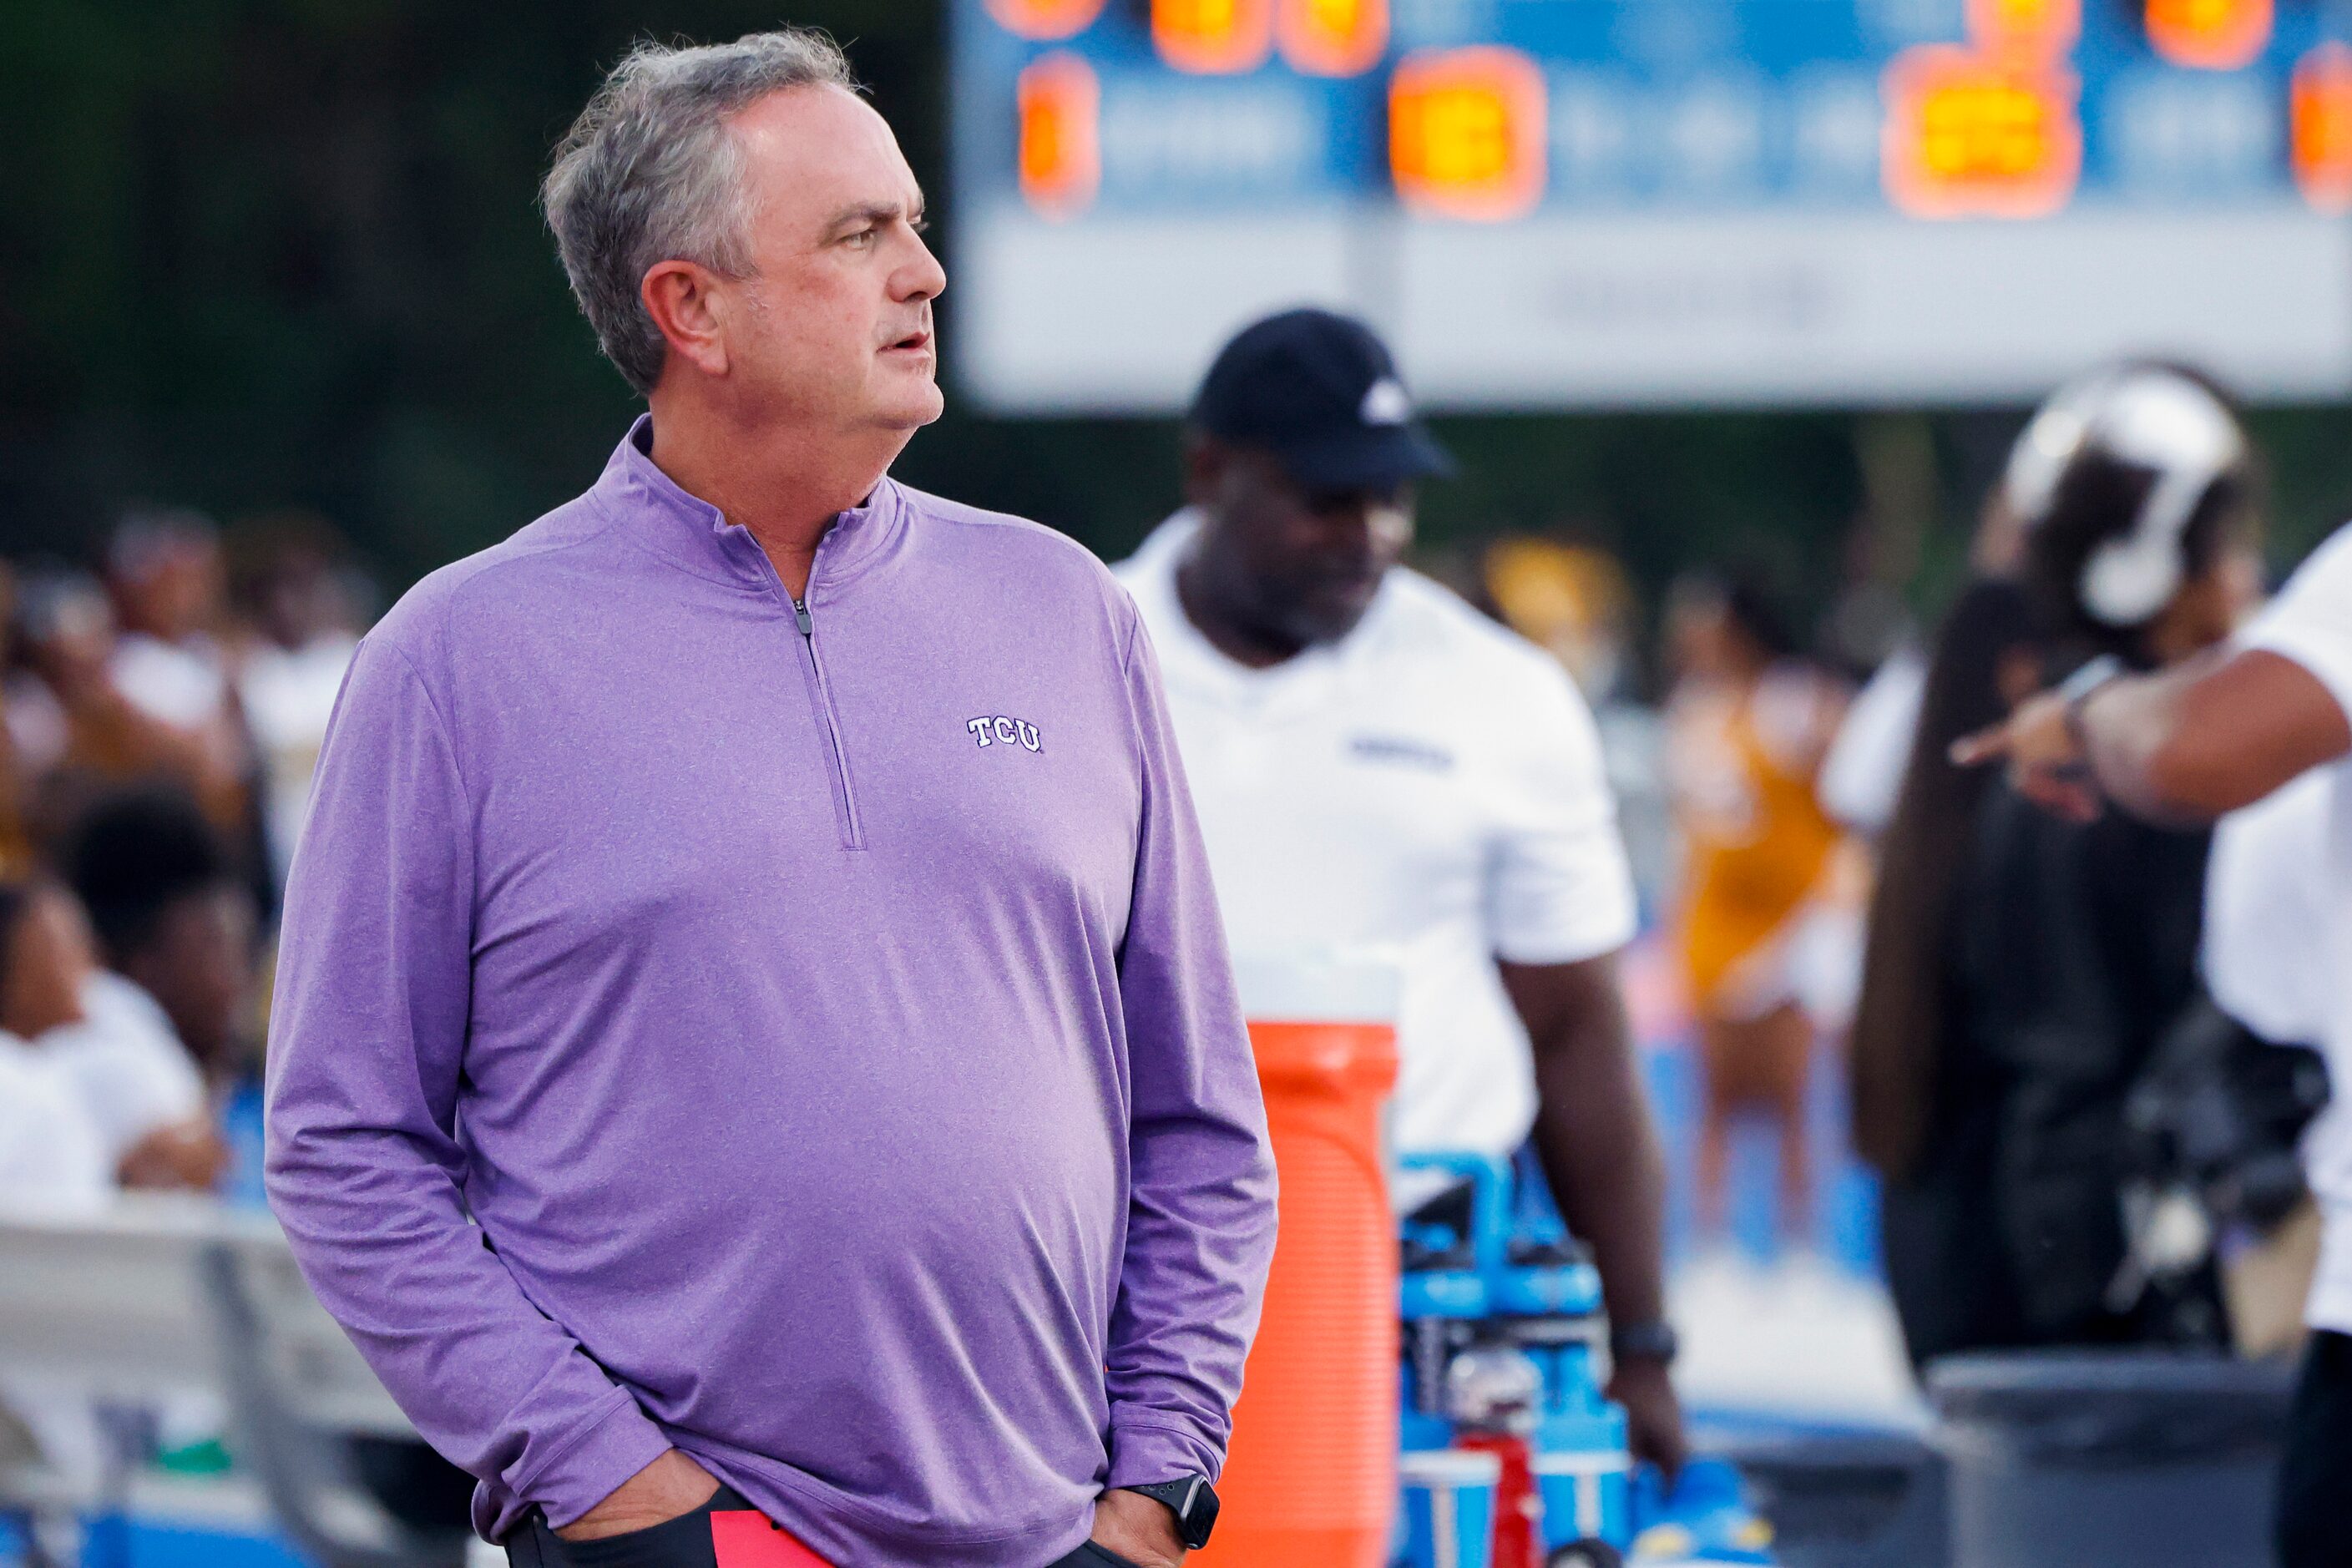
x: 863, y: 237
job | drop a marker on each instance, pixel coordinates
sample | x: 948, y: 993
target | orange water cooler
x: 1310, y: 1481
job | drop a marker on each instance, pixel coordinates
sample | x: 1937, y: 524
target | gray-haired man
x: 764, y: 900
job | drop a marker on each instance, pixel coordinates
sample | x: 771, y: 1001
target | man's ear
x: 680, y: 296
x: 1206, y: 462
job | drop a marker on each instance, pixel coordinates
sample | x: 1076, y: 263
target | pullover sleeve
x: 1201, y: 1217
x: 365, y: 1167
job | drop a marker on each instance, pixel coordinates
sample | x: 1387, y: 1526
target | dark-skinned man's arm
x: 2183, y: 746
x: 2189, y: 744
x: 1608, y: 1171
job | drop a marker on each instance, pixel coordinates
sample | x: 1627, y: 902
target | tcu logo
x: 1001, y: 730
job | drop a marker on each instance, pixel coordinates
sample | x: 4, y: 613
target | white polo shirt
x: 1429, y: 790
x: 2310, y: 623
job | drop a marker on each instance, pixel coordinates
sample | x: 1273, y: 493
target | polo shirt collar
x: 1188, y: 659
x: 691, y: 533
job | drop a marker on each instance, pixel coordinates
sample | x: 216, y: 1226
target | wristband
x: 1654, y: 1340
x: 2078, y: 689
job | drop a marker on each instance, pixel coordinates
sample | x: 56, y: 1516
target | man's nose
x: 1372, y: 524
x: 922, y: 276
x: 1350, y: 523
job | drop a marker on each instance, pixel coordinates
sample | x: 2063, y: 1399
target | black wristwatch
x: 1655, y: 1342
x: 1192, y: 1501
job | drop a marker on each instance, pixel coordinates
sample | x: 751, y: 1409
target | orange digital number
x: 1968, y: 135
x: 2209, y: 35
x: 1213, y: 37
x: 1061, y: 145
x: 2041, y: 28
x: 1333, y: 37
x: 1044, y: 18
x: 2321, y: 116
x: 1466, y: 132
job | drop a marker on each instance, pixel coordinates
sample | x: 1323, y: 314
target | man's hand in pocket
x: 1138, y: 1528
x: 670, y: 1487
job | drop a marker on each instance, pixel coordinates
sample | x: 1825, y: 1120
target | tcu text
x: 1000, y: 729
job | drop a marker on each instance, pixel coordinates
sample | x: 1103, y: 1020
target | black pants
x: 2314, y: 1519
x: 415, y: 1485
x: 682, y: 1542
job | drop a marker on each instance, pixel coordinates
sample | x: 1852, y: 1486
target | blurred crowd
x: 159, y: 719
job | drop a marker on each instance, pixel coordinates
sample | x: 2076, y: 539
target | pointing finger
x: 1984, y: 746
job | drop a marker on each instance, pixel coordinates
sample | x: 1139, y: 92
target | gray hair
x: 649, y: 174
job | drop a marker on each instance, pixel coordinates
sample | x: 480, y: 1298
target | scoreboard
x: 1552, y: 204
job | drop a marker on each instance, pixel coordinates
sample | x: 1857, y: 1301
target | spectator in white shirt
x: 174, y: 928
x: 107, y: 1045
x: 77, y: 732
x: 172, y: 918
x: 1377, y: 766
x: 164, y: 571
x: 50, y: 1148
x: 165, y: 577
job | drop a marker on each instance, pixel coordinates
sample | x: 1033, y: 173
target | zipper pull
x: 800, y: 613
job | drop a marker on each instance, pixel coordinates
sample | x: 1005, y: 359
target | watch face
x: 1192, y: 1501
x: 1199, y: 1514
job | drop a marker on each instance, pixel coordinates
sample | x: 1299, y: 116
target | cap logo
x: 1386, y: 403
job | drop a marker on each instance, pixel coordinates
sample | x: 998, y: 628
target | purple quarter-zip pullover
x: 820, y: 1008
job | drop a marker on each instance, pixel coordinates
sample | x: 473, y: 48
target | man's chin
x: 1314, y: 626
x: 921, y: 401
x: 909, y: 409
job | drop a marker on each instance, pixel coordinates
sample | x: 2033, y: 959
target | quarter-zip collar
x: 695, y: 536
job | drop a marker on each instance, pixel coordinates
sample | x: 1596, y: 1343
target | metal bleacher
x: 151, y: 1298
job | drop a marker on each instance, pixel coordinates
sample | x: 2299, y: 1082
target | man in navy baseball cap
x: 1319, y: 392
x: 1377, y: 765
x: 1301, y: 456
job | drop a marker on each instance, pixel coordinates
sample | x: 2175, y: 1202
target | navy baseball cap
x: 1319, y: 391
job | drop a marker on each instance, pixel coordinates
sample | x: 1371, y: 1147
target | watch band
x: 1191, y: 1500
x: 1655, y: 1341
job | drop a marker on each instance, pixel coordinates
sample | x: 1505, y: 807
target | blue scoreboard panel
x: 1628, y: 203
